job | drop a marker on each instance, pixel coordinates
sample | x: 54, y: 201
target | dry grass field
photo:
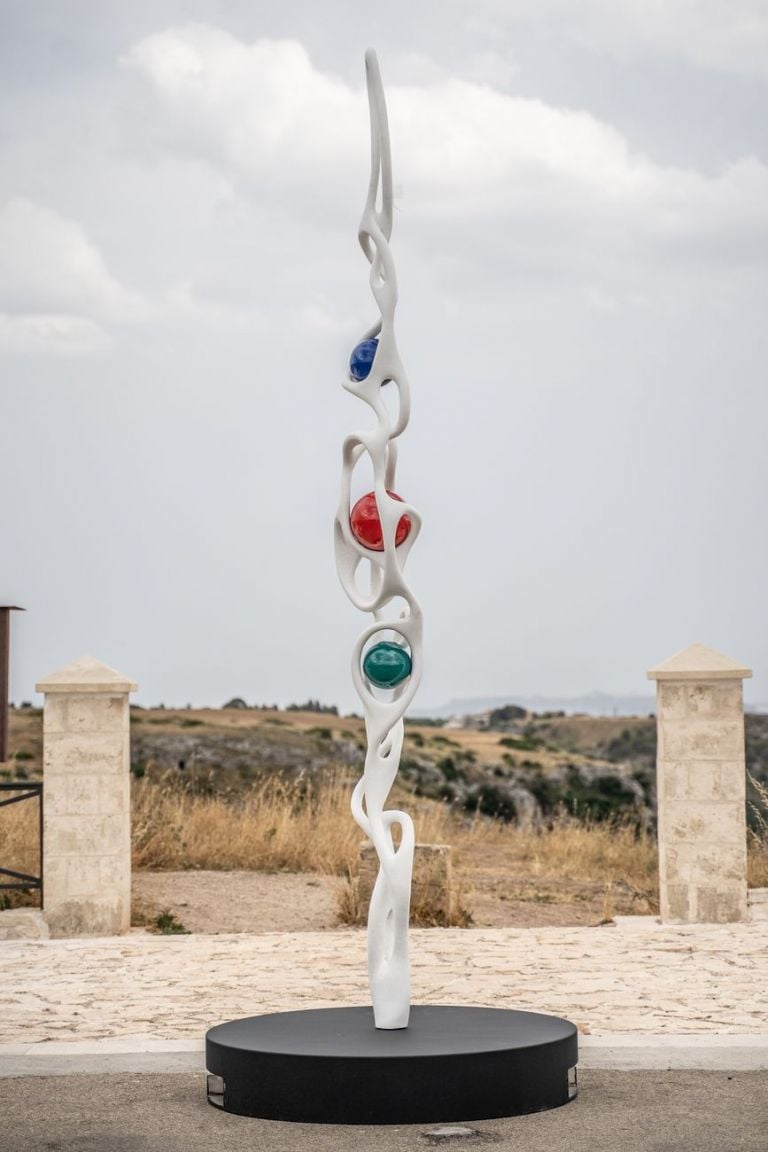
x: 565, y: 871
x: 294, y: 827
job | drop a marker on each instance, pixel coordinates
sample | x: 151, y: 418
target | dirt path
x: 216, y: 902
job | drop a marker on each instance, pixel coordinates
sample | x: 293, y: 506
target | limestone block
x: 23, y: 924
x: 677, y: 903
x: 694, y: 863
x: 83, y: 676
x: 82, y: 795
x: 715, y: 699
x: 70, y: 835
x: 698, y: 663
x: 83, y: 876
x: 701, y: 739
x: 86, y: 713
x: 720, y: 904
x: 700, y: 903
x: 55, y: 872
x: 757, y: 905
x: 83, y: 753
x: 704, y: 780
x: 55, y: 796
x: 733, y: 780
x: 114, y: 794
x: 701, y: 780
x: 89, y: 917
x: 702, y: 822
x: 113, y: 871
x: 671, y: 780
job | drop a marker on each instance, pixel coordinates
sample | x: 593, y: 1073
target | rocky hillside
x: 524, y: 767
x: 526, y: 770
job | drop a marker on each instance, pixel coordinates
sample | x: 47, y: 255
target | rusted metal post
x: 5, y: 664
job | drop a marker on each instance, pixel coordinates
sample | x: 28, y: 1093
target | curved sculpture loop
x: 387, y: 657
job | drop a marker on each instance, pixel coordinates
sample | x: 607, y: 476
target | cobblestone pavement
x: 637, y: 978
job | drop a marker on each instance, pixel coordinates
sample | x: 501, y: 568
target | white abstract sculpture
x: 387, y: 658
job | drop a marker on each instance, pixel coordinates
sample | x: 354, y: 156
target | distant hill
x: 591, y: 704
x: 525, y: 769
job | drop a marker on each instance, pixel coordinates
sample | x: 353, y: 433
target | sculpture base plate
x: 333, y: 1066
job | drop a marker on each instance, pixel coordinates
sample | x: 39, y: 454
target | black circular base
x: 332, y: 1066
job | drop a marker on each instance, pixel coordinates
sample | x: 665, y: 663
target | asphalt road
x: 615, y: 1112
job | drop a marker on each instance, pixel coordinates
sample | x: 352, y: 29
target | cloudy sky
x: 581, y: 236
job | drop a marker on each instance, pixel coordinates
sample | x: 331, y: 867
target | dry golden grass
x: 608, y: 852
x: 19, y: 840
x: 303, y: 827
x: 757, y: 867
x: 757, y: 859
x: 425, y: 912
x: 273, y: 827
x: 298, y: 827
x: 277, y: 825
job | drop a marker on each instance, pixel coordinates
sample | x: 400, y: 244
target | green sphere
x: 386, y: 664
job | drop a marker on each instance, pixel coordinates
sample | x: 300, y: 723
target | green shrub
x: 450, y: 769
x: 521, y: 743
x: 491, y: 801
x: 506, y: 714
x: 600, y: 799
x: 313, y: 706
x: 638, y: 743
x: 167, y: 924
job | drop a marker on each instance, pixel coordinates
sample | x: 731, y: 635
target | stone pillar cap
x: 698, y: 662
x: 86, y: 675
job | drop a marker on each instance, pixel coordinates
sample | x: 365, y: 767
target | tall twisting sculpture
x: 381, y: 528
x: 435, y: 1062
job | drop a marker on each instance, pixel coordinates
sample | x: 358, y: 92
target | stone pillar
x: 701, y: 787
x: 86, y: 800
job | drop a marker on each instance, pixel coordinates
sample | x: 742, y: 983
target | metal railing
x: 22, y: 880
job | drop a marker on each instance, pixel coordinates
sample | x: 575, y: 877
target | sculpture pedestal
x: 332, y: 1066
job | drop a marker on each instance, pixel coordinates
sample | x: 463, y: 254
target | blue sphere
x: 361, y: 360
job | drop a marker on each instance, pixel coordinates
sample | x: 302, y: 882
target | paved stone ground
x: 635, y: 978
x: 637, y: 1111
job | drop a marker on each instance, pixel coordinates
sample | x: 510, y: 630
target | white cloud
x: 560, y: 178
x: 47, y: 263
x: 264, y: 104
x: 56, y: 292
x: 722, y: 35
x: 60, y: 335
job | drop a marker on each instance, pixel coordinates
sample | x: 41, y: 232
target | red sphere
x: 366, y: 525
